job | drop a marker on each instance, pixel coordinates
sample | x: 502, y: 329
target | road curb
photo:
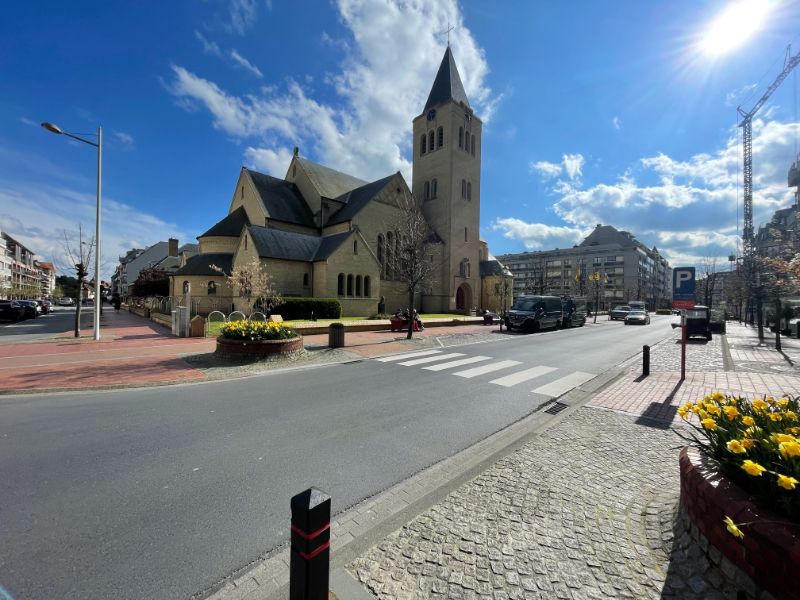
x: 360, y: 527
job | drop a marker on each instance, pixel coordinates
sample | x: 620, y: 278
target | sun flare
x: 734, y: 25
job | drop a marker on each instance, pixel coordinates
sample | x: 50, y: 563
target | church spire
x: 447, y: 85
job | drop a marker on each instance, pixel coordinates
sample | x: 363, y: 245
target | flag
x: 578, y: 274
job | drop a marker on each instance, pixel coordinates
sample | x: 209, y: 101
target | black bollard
x: 309, y: 566
x: 645, y: 360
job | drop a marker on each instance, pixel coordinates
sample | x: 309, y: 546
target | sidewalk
x: 135, y: 351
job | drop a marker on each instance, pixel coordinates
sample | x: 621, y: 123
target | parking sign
x: 683, y: 282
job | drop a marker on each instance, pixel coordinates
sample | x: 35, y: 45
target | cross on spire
x: 447, y: 31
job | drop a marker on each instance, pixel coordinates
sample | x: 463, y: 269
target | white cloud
x: 242, y: 14
x: 571, y: 165
x: 246, y: 64
x: 28, y: 121
x: 616, y: 122
x: 266, y: 160
x: 125, y: 139
x: 378, y: 89
x: 536, y: 236
x: 736, y: 97
x: 209, y: 47
x: 547, y: 169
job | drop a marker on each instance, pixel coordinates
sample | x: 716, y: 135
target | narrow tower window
x: 464, y: 189
x: 434, y: 189
x: 469, y: 190
x: 340, y: 286
x: 422, y: 143
x: 460, y: 137
x: 431, y: 141
x: 473, y: 145
x: 465, y: 234
x: 426, y: 194
x: 440, y: 136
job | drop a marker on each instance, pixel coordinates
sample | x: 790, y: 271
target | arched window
x: 349, y: 285
x: 367, y: 286
x: 340, y: 285
x: 469, y: 190
x: 440, y: 137
x: 426, y: 194
x: 472, y: 145
x: 185, y: 286
x: 212, y: 288
x: 381, y: 257
x: 358, y: 285
x: 434, y: 189
x: 422, y: 143
x: 389, y: 255
x: 464, y: 189
x: 460, y: 137
x: 355, y: 246
x: 431, y: 141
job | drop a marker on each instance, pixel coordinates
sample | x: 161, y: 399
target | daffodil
x: 782, y: 437
x: 759, y: 405
x: 732, y: 528
x: 775, y: 416
x: 748, y: 443
x: 791, y: 415
x: 748, y: 421
x: 736, y: 447
x: 752, y: 468
x: 683, y: 412
x: 787, y: 482
x: 789, y: 449
x: 783, y: 402
x: 709, y: 424
x: 730, y: 412
x: 718, y: 396
x: 712, y: 409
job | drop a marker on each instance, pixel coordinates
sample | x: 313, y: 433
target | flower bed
x: 240, y: 339
x: 739, y: 487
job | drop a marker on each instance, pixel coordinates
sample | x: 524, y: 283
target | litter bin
x: 336, y: 335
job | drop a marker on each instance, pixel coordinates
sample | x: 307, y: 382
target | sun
x: 734, y: 25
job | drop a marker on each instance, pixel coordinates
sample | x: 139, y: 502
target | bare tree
x: 78, y: 254
x: 413, y: 261
x: 778, y: 277
x: 252, y: 283
x: 707, y: 280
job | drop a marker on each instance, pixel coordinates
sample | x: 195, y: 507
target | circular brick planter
x: 239, y: 349
x: 770, y: 551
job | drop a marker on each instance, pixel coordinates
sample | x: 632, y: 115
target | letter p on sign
x: 681, y: 277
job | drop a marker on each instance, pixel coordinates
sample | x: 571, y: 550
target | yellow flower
x: 712, y: 409
x: 775, y: 416
x: 703, y: 414
x: 730, y: 412
x: 789, y: 449
x: 783, y: 402
x: 718, y: 396
x: 709, y: 424
x: 736, y: 447
x: 697, y: 408
x: 781, y: 437
x: 683, y: 412
x: 759, y: 405
x: 748, y: 420
x: 752, y: 468
x: 794, y: 430
x: 732, y: 528
x: 790, y: 415
x: 748, y: 443
x: 787, y: 482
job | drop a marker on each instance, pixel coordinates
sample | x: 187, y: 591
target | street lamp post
x: 99, y: 146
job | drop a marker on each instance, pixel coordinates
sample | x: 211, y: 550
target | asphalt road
x: 159, y: 493
x: 61, y: 319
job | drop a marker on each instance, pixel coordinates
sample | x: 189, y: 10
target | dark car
x: 619, y: 312
x: 11, y: 310
x: 717, y: 321
x: 533, y: 313
x: 698, y: 322
x: 31, y: 308
x: 637, y: 317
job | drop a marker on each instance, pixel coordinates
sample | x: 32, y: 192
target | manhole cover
x: 556, y: 408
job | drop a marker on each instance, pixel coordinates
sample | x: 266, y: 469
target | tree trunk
x: 760, y: 319
x: 78, y: 310
x: 778, y: 324
x: 410, y: 315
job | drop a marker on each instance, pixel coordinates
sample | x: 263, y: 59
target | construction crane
x: 748, y: 237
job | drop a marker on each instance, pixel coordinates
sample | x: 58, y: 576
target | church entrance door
x: 463, y: 297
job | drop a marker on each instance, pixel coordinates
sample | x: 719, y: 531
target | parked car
x: 11, y: 310
x: 717, y: 321
x: 698, y: 322
x: 637, y: 317
x: 637, y: 305
x: 66, y: 301
x: 533, y: 313
x: 574, y: 311
x: 44, y: 305
x: 618, y: 313
x: 31, y: 309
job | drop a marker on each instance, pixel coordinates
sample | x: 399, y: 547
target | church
x: 326, y: 234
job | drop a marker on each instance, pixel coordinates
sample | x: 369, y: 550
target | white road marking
x: 503, y: 364
x: 428, y: 359
x: 563, y: 385
x: 457, y: 363
x: 407, y: 355
x: 521, y: 376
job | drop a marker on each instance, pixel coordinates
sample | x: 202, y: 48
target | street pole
x: 97, y: 298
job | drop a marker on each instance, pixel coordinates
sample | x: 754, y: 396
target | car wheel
x: 708, y: 336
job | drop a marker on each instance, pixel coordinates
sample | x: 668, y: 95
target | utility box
x: 336, y: 335
x: 183, y: 321
x: 174, y: 322
x: 197, y: 327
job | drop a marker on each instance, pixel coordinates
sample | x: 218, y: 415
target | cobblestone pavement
x: 751, y: 354
x: 545, y: 522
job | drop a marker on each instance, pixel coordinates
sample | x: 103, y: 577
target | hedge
x: 663, y: 311
x: 302, y: 308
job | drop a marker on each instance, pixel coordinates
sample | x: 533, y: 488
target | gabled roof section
x: 447, y: 85
x: 289, y: 245
x: 282, y: 199
x: 328, y: 182
x: 606, y: 234
x: 200, y: 264
x: 355, y: 200
x: 230, y: 226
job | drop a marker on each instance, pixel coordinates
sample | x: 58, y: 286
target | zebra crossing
x: 441, y: 361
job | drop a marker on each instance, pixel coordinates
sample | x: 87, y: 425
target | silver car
x: 637, y: 317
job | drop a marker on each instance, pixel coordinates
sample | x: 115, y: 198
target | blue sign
x: 683, y: 283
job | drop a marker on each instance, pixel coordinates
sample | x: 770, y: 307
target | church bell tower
x: 447, y: 179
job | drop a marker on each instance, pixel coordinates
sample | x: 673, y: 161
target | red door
x: 460, y: 298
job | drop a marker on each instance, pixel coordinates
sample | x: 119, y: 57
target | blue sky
x: 595, y: 112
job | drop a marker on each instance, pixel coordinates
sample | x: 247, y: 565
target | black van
x: 574, y: 310
x: 533, y: 313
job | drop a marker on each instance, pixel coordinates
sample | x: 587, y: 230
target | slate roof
x: 328, y: 182
x: 289, y: 245
x: 606, y: 234
x: 447, y: 85
x: 230, y: 226
x: 282, y: 199
x: 493, y: 267
x: 357, y: 199
x: 201, y: 264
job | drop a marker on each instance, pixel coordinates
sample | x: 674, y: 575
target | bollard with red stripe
x: 309, y: 566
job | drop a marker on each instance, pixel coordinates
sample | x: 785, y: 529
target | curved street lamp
x: 99, y: 145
